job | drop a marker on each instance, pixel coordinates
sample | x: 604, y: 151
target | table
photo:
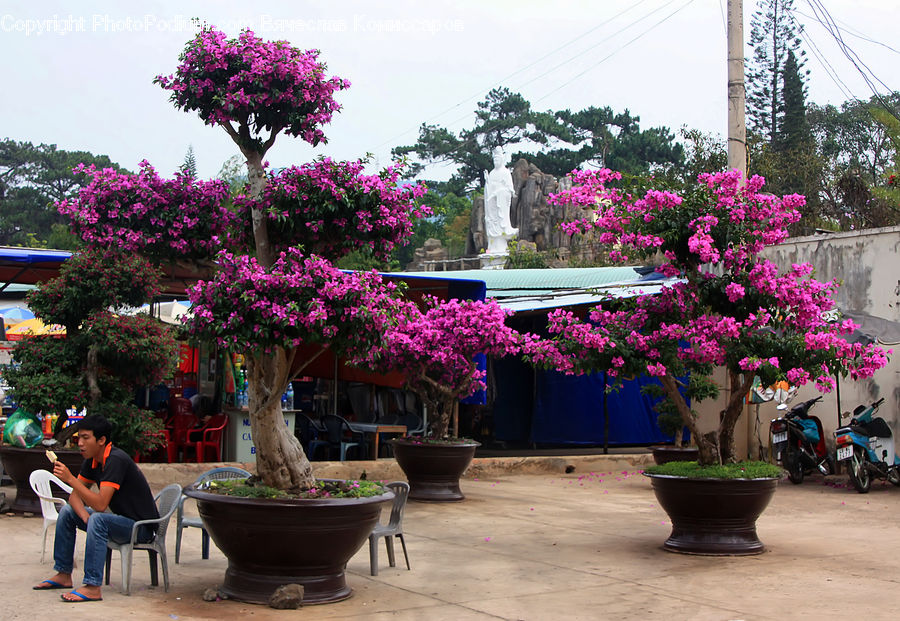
x: 377, y: 429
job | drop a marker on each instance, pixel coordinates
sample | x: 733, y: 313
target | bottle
x: 290, y: 396
x: 284, y: 401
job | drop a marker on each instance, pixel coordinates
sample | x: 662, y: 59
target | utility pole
x: 737, y: 127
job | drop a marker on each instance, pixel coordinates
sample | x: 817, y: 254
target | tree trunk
x: 733, y: 411
x: 707, y: 449
x: 280, y: 460
x: 92, y: 368
x: 256, y: 175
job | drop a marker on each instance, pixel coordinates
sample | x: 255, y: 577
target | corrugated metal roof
x: 543, y: 289
x: 549, y: 279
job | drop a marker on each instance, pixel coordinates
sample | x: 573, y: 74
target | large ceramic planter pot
x: 663, y: 454
x: 271, y: 542
x: 19, y: 463
x: 714, y: 517
x: 433, y: 470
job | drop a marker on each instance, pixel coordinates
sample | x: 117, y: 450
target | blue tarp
x: 547, y: 407
x: 568, y: 409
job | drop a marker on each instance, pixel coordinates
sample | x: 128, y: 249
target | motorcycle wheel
x: 894, y: 477
x: 794, y: 467
x: 859, y: 474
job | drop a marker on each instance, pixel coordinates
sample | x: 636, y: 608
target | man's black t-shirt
x: 132, y: 498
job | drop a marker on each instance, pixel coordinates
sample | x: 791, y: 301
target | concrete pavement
x: 533, y: 542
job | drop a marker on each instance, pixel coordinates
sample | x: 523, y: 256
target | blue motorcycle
x: 867, y: 444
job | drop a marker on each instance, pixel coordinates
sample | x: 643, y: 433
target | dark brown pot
x: 714, y: 517
x: 271, y: 542
x: 664, y: 454
x: 433, y: 470
x: 19, y: 463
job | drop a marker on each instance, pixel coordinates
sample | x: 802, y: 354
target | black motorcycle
x: 798, y: 442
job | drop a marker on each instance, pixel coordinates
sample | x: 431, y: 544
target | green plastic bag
x: 22, y: 429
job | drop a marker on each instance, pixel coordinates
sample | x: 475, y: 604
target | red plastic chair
x: 180, y: 423
x: 209, y: 438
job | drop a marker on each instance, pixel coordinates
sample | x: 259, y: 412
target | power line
x: 851, y: 55
x: 853, y: 32
x: 445, y: 156
x: 604, y: 40
x: 829, y: 69
x: 613, y: 53
x: 516, y: 72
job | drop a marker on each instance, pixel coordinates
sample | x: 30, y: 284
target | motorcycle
x: 868, y: 445
x: 798, y: 442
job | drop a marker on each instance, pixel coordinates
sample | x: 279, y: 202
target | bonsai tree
x: 729, y: 308
x: 274, y: 287
x: 103, y: 357
x: 435, y: 349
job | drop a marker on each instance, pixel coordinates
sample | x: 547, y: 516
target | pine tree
x: 795, y: 130
x: 189, y: 166
x: 774, y: 35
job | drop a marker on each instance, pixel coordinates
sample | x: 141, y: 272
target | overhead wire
x: 853, y: 32
x: 614, y: 52
x: 820, y: 57
x: 516, y: 72
x: 828, y: 23
x: 444, y: 157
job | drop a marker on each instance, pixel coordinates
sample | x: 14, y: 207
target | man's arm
x: 98, y: 501
x: 78, y: 506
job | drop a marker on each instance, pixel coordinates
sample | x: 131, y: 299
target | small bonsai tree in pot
x: 102, y: 358
x: 435, y: 347
x: 273, y: 286
x: 730, y: 308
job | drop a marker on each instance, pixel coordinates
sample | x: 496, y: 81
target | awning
x: 29, y: 266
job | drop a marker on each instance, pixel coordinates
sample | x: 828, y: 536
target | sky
x: 79, y: 75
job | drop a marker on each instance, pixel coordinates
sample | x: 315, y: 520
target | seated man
x: 121, y: 487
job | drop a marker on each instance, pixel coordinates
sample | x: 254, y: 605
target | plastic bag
x: 23, y: 430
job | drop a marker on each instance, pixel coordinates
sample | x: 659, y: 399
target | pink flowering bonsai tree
x: 274, y: 287
x: 728, y: 308
x: 435, y: 348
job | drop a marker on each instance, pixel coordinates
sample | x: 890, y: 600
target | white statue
x: 498, y: 194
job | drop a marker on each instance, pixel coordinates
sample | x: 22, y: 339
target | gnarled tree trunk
x: 280, y: 460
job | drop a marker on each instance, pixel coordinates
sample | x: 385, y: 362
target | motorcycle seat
x: 876, y: 427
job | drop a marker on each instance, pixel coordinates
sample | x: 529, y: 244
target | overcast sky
x: 80, y: 75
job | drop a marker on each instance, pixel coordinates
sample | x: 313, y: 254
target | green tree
x: 449, y: 223
x: 606, y: 139
x: 105, y: 353
x: 790, y: 163
x: 32, y: 179
x: 857, y: 153
x: 773, y: 36
x: 189, y: 166
x: 555, y: 142
x: 503, y: 119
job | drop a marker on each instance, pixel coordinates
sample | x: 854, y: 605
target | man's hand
x: 65, y: 475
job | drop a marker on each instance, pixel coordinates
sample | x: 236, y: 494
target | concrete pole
x: 737, y: 128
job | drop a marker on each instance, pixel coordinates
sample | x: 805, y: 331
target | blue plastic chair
x: 181, y: 522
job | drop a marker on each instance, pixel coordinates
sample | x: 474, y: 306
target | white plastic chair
x: 394, y: 528
x: 181, y: 522
x: 40, y: 483
x: 166, y: 503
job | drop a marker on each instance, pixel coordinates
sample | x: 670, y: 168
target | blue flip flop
x: 51, y: 585
x: 82, y: 598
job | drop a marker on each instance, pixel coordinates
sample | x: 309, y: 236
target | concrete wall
x: 867, y: 266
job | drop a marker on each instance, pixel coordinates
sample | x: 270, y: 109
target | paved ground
x: 543, y: 545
